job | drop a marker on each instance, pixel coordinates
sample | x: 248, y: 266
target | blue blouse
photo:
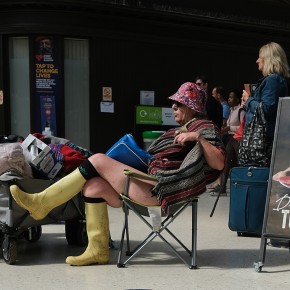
x: 268, y: 91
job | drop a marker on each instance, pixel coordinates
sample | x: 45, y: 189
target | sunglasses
x: 199, y: 84
x: 177, y: 104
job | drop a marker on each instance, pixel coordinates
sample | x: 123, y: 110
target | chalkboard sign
x: 277, y: 210
x: 277, y: 218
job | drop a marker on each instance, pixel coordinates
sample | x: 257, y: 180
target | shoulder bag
x: 252, y: 149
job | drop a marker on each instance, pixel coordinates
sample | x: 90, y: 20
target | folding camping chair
x: 158, y: 224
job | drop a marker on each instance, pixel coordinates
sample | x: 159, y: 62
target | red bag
x: 239, y: 134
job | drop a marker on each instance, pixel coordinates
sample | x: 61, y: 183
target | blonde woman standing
x: 273, y: 64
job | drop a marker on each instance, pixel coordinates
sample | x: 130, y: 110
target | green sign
x: 149, y: 115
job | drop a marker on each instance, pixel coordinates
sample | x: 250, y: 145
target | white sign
x: 107, y: 107
x: 168, y: 117
x: 147, y: 98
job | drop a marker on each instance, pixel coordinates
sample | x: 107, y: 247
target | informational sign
x: 147, y: 98
x: 107, y: 94
x: 47, y: 90
x: 149, y: 115
x: 278, y: 212
x: 107, y: 107
x: 168, y: 117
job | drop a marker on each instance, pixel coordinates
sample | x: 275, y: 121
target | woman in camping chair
x: 184, y: 160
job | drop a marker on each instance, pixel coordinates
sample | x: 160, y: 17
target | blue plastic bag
x: 128, y: 152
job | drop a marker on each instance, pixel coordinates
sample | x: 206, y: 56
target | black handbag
x: 253, y: 147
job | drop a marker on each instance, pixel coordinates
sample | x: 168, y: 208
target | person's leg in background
x: 232, y: 149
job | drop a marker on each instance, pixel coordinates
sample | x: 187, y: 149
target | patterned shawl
x: 182, y: 171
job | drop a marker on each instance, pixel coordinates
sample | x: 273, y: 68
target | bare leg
x: 112, y: 181
x: 106, y: 187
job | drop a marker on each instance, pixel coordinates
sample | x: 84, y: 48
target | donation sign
x: 47, y: 88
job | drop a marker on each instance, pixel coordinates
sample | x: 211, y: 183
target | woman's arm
x: 213, y: 155
x: 268, y: 94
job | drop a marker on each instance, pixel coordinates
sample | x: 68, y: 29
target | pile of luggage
x: 17, y: 167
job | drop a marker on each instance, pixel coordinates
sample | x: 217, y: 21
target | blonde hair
x: 275, y: 59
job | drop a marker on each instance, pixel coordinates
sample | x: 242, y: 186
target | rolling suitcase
x: 248, y: 191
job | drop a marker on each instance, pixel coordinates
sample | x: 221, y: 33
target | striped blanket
x: 182, y: 171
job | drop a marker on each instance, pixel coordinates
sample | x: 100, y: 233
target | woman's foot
x: 28, y: 202
x: 219, y: 191
x: 89, y: 257
x: 213, y: 186
x: 216, y: 193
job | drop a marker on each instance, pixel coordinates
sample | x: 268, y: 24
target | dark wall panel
x: 133, y: 65
x: 137, y: 49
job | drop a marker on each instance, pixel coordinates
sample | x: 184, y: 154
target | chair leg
x: 173, y: 249
x: 119, y: 264
x: 136, y: 251
x: 194, y: 235
x: 124, y: 231
x: 164, y: 226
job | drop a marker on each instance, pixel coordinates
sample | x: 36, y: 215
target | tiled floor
x: 225, y: 260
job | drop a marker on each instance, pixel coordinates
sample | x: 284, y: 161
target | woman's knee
x: 98, y: 188
x: 99, y: 161
x: 93, y: 188
x: 97, y: 158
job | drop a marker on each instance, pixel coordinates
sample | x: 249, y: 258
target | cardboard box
x: 42, y: 157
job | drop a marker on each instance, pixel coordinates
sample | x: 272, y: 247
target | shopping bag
x: 128, y: 152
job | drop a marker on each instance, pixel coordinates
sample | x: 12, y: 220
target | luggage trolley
x: 15, y: 222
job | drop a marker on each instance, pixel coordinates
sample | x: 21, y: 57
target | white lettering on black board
x: 283, y: 203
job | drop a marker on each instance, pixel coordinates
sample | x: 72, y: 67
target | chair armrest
x: 139, y: 175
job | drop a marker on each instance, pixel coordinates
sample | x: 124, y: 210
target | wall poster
x: 47, y: 87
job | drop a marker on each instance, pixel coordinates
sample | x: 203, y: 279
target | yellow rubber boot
x: 97, y: 251
x: 40, y: 204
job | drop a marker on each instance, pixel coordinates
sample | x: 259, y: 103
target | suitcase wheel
x: 9, y: 247
x: 33, y: 234
x: 76, y: 233
x: 249, y: 235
